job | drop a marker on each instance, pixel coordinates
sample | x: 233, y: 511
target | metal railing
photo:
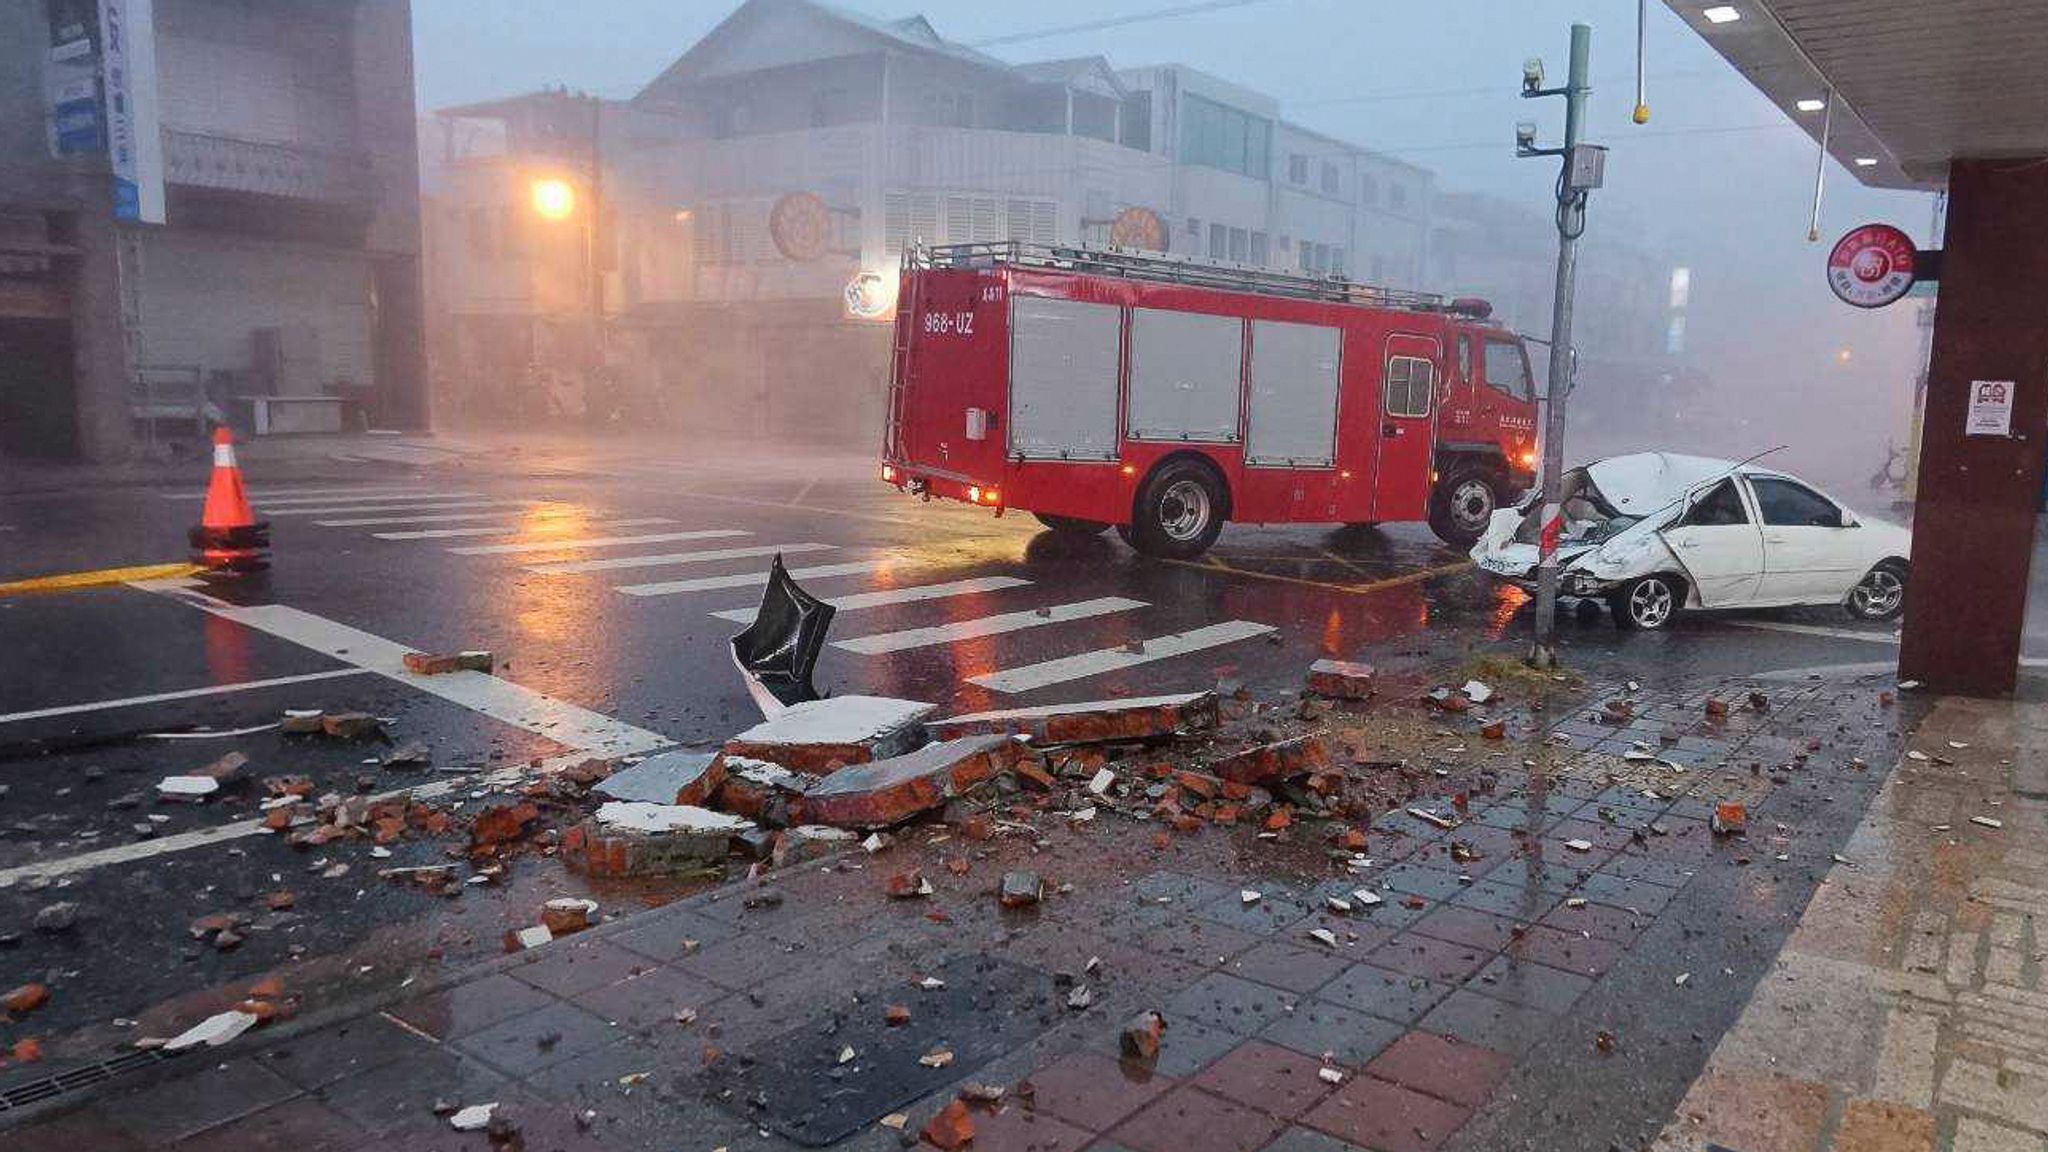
x: 203, y: 160
x: 1161, y: 268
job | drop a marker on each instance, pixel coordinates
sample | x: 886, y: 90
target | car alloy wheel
x: 1879, y: 595
x: 1649, y: 602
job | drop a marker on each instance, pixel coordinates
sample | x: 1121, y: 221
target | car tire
x: 1071, y: 525
x: 1648, y: 603
x: 1880, y: 595
x: 1179, y: 511
x: 1464, y: 501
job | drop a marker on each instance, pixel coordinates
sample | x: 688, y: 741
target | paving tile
x: 471, y: 1006
x: 1603, y: 835
x: 1392, y: 911
x: 1429, y: 958
x: 742, y: 962
x: 1619, y: 892
x: 571, y: 967
x: 1524, y: 902
x: 665, y: 933
x: 1195, y: 940
x: 539, y: 1038
x: 1268, y: 1077
x: 649, y: 998
x: 1290, y: 966
x: 1094, y: 1091
x: 1534, y: 985
x: 1445, y: 1068
x: 1387, y: 994
x: 1190, y: 1120
x: 1181, y: 888
x: 1318, y: 1027
x: 1758, y: 1111
x: 1600, y: 921
x: 1273, y: 912
x: 592, y: 1078
x: 1567, y: 950
x: 1490, y: 1023
x: 1468, y: 926
x: 1298, y: 1139
x: 1550, y: 875
x: 1387, y: 1117
x: 1231, y: 1003
x: 1190, y: 1047
x: 1883, y: 1126
x: 1424, y: 880
x: 1014, y: 1128
x: 397, y: 1094
x: 1668, y: 873
x: 342, y: 1050
x: 301, y: 1125
x: 189, y: 1104
x: 85, y: 1131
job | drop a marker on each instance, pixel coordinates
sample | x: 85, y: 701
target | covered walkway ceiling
x: 1917, y: 82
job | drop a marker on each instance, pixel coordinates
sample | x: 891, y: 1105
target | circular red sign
x: 1136, y: 227
x: 1871, y: 266
x: 801, y: 226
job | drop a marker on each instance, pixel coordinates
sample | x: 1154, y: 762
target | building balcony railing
x: 203, y: 160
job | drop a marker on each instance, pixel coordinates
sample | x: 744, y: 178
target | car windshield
x: 1588, y: 517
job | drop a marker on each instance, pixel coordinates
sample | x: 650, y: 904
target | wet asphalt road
x: 1272, y: 600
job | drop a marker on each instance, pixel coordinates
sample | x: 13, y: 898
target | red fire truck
x: 1163, y: 396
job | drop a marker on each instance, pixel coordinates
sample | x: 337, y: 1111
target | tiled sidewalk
x: 1489, y: 942
x: 1908, y: 1012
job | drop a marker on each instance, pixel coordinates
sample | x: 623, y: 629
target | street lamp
x: 553, y: 198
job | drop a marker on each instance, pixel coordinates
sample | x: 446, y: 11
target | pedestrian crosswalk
x: 935, y: 607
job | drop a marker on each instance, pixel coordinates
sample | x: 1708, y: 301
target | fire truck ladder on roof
x: 899, y: 365
x: 1157, y: 267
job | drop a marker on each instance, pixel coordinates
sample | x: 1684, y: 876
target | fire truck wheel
x: 1463, y: 503
x: 1070, y: 526
x: 1179, y: 511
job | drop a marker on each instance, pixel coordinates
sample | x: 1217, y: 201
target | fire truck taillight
x: 1130, y: 470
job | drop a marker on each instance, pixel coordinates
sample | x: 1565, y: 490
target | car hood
x: 1642, y: 482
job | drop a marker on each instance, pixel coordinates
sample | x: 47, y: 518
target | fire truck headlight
x: 888, y: 473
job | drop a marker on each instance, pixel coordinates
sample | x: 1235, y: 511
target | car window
x: 1789, y: 504
x: 1507, y: 370
x: 1721, y: 506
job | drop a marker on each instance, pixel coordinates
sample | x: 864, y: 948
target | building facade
x: 209, y: 212
x: 757, y: 197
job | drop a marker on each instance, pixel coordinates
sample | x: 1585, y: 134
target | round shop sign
x: 1871, y: 266
x: 801, y: 226
x: 1136, y: 227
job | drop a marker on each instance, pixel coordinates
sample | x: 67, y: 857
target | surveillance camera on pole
x: 1585, y: 167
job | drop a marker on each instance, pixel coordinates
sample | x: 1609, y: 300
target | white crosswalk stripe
x: 376, y: 509
x: 747, y: 579
x: 887, y: 596
x: 537, y: 511
x: 1047, y: 673
x: 985, y: 626
x: 372, y: 497
x: 616, y: 563
x: 596, y: 542
x: 509, y: 529
x: 291, y: 493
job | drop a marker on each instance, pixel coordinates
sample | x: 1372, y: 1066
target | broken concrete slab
x: 758, y: 790
x: 890, y: 791
x: 819, y: 736
x: 1270, y: 763
x: 225, y: 771
x: 1144, y: 718
x: 667, y: 778
x: 301, y: 721
x: 213, y: 1031
x: 190, y: 789
x: 1341, y: 679
x: 634, y: 838
x: 807, y: 842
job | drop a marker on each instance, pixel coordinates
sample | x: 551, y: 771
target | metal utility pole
x: 1580, y: 172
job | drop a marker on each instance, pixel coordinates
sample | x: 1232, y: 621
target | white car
x: 1653, y: 533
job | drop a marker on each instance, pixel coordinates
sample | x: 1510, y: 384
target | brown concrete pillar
x: 1973, y: 530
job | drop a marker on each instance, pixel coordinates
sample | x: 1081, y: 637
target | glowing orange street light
x: 553, y: 198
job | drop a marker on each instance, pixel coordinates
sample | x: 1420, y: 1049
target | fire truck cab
x: 1163, y: 396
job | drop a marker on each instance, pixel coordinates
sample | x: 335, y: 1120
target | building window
x: 1259, y: 248
x: 1240, y: 245
x: 1333, y: 180
x: 1220, y: 136
x: 1681, y: 287
x: 1397, y: 196
x: 1219, y: 242
x: 1336, y: 261
x: 949, y: 109
x: 1368, y: 191
x: 1297, y: 169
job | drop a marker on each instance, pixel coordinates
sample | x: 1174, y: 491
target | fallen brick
x: 352, y: 726
x: 432, y: 663
x: 28, y: 1050
x: 889, y: 791
x: 1020, y: 889
x: 667, y: 778
x: 226, y: 770
x: 807, y: 842
x: 628, y: 838
x: 820, y: 736
x: 1497, y: 730
x: 1716, y: 707
x: 1096, y: 721
x: 301, y: 722
x: 1729, y: 818
x: 1203, y: 786
x: 1270, y: 763
x: 288, y: 785
x: 1032, y: 774
x: 566, y: 915
x: 897, y: 1015
x: 25, y: 999
x: 500, y: 824
x: 1141, y: 1034
x: 280, y: 901
x: 763, y: 792
x: 1341, y: 679
x: 909, y: 885
x: 951, y: 1128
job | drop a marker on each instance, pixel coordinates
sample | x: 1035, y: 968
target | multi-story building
x: 209, y: 209
x: 758, y: 195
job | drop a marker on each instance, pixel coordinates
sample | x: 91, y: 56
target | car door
x: 1718, y: 543
x: 1809, y: 556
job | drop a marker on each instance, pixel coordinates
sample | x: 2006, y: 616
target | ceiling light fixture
x: 1811, y: 105
x: 1721, y: 14
x: 1866, y: 161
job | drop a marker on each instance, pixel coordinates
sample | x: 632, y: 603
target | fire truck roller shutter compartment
x: 1064, y: 357
x: 1293, y: 395
x: 1186, y: 374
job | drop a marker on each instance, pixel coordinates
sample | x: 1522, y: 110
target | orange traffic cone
x: 229, y: 537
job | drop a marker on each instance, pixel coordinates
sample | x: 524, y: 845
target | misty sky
x: 1719, y: 179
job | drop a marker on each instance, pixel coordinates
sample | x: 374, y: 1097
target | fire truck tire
x: 1464, y: 501
x: 1179, y: 511
x: 1069, y: 525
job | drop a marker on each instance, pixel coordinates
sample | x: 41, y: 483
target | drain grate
x: 84, y: 1076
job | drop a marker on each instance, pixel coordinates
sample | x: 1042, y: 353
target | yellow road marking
x: 100, y: 579
x: 1212, y: 564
